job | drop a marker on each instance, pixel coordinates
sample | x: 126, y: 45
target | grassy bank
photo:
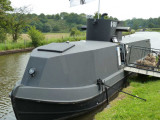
x: 25, y: 42
x: 153, y: 29
x: 128, y: 108
x: 149, y: 29
x: 128, y: 33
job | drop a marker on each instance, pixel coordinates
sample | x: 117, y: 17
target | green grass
x: 25, y: 42
x: 153, y: 29
x: 18, y: 45
x: 128, y: 33
x: 64, y: 39
x: 128, y: 108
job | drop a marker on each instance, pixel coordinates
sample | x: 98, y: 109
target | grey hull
x: 28, y: 109
x: 64, y: 80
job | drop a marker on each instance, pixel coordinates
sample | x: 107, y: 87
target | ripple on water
x: 11, y: 70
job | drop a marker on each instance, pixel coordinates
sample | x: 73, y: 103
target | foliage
x: 128, y: 33
x: 47, y: 28
x: 3, y: 35
x: 42, y: 18
x: 75, y: 32
x: 129, y: 108
x: 55, y: 28
x: 139, y: 23
x: 62, y: 22
x: 96, y: 15
x: 105, y: 17
x: 153, y: 29
x: 17, y: 21
x: 75, y: 18
x: 36, y: 36
x: 18, y: 45
x: 4, y: 6
x: 59, y: 40
x: 25, y: 42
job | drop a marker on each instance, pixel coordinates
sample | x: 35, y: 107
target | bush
x: 128, y: 33
x: 3, y: 35
x: 36, y: 36
x: 74, y: 32
x: 155, y: 29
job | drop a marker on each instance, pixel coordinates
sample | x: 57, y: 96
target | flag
x: 79, y: 2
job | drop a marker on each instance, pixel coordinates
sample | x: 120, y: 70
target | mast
x: 98, y: 8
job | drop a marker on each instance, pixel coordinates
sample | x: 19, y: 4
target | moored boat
x: 62, y: 80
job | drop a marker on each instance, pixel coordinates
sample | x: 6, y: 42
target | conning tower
x: 105, y: 30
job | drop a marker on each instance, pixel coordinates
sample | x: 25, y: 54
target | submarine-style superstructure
x: 62, y: 80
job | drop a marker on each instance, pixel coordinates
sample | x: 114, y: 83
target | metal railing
x: 144, y: 58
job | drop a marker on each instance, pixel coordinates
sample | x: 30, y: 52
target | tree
x: 135, y: 25
x: 38, y: 25
x: 3, y: 35
x: 47, y: 27
x: 17, y: 21
x: 4, y: 7
x: 75, y: 18
x: 57, y: 17
x: 151, y: 25
x: 55, y: 28
x: 105, y: 17
x: 63, y: 15
x: 43, y: 18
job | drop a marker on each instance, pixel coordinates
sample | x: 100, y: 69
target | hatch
x: 56, y: 47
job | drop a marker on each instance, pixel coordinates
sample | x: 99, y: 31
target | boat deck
x: 142, y: 71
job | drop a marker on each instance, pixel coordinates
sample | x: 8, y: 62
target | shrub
x: 128, y: 33
x: 3, y: 35
x: 74, y: 32
x: 36, y: 36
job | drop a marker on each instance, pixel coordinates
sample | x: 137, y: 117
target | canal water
x: 12, y: 68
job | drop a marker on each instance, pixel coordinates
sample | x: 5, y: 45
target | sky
x: 121, y: 9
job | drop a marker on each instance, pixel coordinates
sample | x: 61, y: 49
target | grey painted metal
x: 56, y: 47
x: 127, y: 29
x: 142, y: 71
x: 135, y: 41
x: 73, y: 73
x: 104, y: 30
x: 71, y: 76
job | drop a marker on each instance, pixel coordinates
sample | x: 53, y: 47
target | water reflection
x: 11, y: 70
